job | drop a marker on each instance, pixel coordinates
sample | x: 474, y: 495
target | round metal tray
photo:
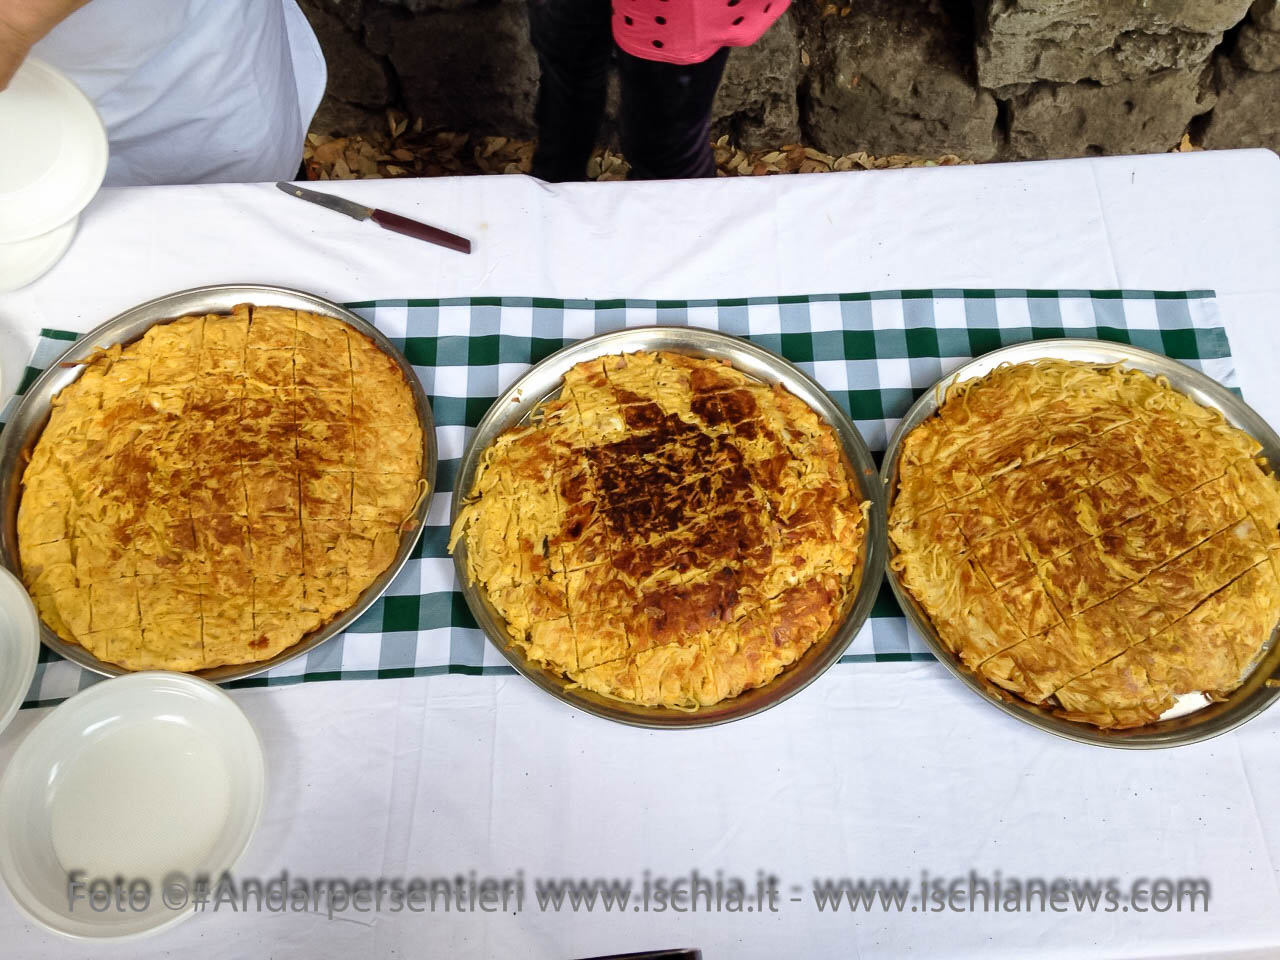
x: 22, y: 432
x: 1252, y: 697
x: 543, y: 382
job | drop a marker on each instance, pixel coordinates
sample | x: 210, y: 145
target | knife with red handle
x: 383, y: 218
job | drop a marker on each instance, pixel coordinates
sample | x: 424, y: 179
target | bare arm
x: 22, y: 23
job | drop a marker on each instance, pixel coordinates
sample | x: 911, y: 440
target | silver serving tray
x: 1180, y: 725
x: 543, y: 382
x: 23, y: 430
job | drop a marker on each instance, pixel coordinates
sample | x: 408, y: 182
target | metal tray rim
x: 1250, y: 699
x: 515, y: 403
x: 126, y: 327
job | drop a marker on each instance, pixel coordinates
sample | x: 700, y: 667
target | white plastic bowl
x: 55, y: 152
x: 19, y: 645
x: 25, y: 260
x: 134, y: 777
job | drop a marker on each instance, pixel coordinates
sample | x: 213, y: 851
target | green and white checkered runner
x: 874, y: 352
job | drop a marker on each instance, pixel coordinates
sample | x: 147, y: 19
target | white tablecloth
x: 877, y: 769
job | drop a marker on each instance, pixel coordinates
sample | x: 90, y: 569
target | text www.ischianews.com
x: 694, y: 892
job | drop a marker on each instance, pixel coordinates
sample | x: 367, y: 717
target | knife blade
x: 383, y: 218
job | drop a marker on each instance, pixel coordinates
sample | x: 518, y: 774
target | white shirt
x: 194, y: 91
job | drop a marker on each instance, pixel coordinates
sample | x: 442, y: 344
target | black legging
x: 665, y: 116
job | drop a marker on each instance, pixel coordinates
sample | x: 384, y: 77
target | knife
x: 384, y: 219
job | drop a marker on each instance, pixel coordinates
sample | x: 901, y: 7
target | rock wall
x: 984, y: 79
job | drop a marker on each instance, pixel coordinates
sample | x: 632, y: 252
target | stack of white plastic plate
x: 52, y: 163
x: 154, y: 778
x: 118, y: 802
x: 19, y: 645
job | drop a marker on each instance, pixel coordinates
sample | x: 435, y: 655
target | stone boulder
x: 756, y: 102
x: 1266, y: 14
x: 1248, y: 110
x: 1105, y: 41
x: 1086, y: 119
x: 892, y: 76
x: 350, y: 12
x: 1248, y: 85
x: 356, y: 76
x: 469, y: 70
x: 1257, y: 49
x: 420, y: 6
x: 1258, y: 43
x: 340, y: 119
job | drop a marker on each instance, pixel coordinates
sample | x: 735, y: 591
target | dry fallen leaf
x: 328, y: 153
x: 396, y: 122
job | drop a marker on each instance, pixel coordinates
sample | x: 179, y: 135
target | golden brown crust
x: 197, y: 497
x: 1089, y: 539
x: 667, y: 531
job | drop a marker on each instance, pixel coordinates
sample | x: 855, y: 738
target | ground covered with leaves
x: 403, y: 149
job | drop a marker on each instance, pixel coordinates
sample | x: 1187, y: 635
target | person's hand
x: 22, y: 23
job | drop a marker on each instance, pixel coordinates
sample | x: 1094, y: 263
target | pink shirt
x: 690, y: 31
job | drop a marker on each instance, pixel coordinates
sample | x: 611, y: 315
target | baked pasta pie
x: 666, y: 532
x: 1089, y: 539
x: 217, y: 489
